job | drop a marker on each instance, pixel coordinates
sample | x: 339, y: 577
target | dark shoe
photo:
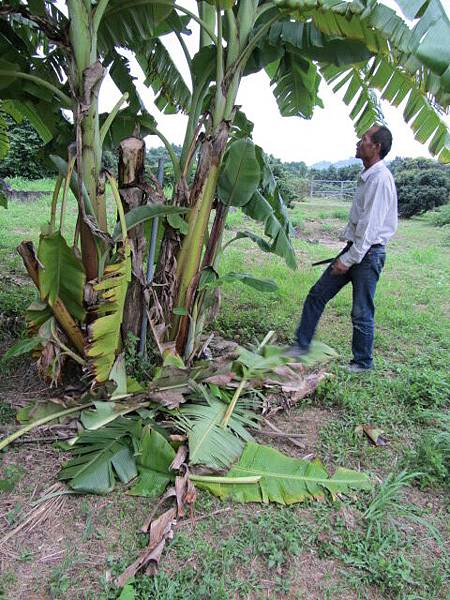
x: 356, y: 368
x: 295, y: 351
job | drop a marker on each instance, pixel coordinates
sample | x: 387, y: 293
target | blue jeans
x: 364, y: 278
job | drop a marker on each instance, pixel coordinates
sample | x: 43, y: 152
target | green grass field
x: 380, y: 545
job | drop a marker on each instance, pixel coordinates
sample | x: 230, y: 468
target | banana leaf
x: 104, y: 332
x: 155, y: 455
x: 61, y: 274
x: 209, y: 443
x: 101, y: 456
x: 283, y: 479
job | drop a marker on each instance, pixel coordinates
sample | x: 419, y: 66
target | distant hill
x: 325, y: 164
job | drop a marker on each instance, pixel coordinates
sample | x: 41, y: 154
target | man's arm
x: 377, y: 197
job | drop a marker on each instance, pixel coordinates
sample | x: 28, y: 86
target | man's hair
x: 383, y: 137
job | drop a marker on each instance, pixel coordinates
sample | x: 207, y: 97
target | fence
x: 322, y: 188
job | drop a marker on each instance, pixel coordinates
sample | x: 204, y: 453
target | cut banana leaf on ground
x: 153, y: 463
x: 209, y: 443
x: 100, y: 456
x: 283, y: 479
x: 318, y: 353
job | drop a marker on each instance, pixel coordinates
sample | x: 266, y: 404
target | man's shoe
x: 356, y: 368
x: 295, y: 351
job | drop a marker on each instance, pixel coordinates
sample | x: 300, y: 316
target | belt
x: 349, y: 244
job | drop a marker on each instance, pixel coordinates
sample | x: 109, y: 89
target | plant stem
x: 237, y: 393
x: 20, y: 432
x: 66, y: 189
x: 55, y: 195
x: 116, y: 196
x: 231, y: 406
x: 230, y: 480
x: 110, y: 118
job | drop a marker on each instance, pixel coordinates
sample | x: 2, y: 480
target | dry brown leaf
x: 169, y: 399
x: 160, y: 530
x: 221, y: 380
x: 179, y: 459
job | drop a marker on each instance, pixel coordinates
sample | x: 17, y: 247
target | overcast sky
x: 329, y: 135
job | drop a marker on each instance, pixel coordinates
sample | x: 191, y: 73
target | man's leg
x: 322, y: 292
x: 364, y: 279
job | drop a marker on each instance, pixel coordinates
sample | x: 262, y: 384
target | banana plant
x: 358, y: 46
x: 53, y: 63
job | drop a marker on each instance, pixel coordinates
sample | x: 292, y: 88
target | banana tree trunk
x: 201, y: 200
x: 131, y: 173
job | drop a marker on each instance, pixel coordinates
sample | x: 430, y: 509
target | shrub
x: 441, y: 216
x: 422, y: 185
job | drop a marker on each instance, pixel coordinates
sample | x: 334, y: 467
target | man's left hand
x: 338, y: 267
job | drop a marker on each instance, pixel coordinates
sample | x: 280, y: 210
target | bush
x: 420, y: 191
x: 422, y: 185
x: 441, y: 216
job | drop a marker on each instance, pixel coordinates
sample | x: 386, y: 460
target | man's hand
x: 338, y: 267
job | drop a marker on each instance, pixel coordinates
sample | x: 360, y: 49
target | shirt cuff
x: 347, y: 260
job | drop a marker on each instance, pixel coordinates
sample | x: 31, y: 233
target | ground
x: 380, y: 545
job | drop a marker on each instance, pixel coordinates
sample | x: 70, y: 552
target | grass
x: 382, y: 545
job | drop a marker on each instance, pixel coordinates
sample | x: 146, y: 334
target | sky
x: 328, y: 136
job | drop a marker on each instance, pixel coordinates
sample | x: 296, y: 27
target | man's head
x: 374, y: 144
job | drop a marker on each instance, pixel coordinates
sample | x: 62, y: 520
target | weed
x: 138, y: 366
x: 341, y: 214
x: 431, y: 460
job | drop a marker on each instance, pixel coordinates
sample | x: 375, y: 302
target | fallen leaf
x: 375, y: 434
x: 179, y: 459
x: 168, y: 399
x: 222, y: 380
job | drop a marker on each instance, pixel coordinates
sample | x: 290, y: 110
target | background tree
x: 25, y: 156
x: 422, y: 185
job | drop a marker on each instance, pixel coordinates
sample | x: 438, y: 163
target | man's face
x: 366, y: 149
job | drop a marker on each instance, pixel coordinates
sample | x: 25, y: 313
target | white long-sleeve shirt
x: 373, y: 215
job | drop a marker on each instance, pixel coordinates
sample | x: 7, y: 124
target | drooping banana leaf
x: 163, y: 76
x: 100, y: 456
x: 395, y: 86
x: 296, y: 82
x: 127, y: 23
x: 61, y: 274
x: 155, y: 456
x: 209, y: 443
x: 283, y: 479
x: 104, y: 332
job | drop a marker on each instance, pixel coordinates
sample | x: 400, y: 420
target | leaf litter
x: 138, y: 438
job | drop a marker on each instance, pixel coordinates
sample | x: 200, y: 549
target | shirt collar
x: 378, y: 165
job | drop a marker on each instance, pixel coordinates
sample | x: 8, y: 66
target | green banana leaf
x: 240, y: 173
x: 141, y: 214
x: 23, y: 347
x: 155, y: 455
x: 104, y: 332
x: 172, y: 93
x: 102, y: 455
x: 261, y: 285
x: 61, y: 274
x: 296, y: 82
x: 106, y: 412
x: 209, y: 443
x: 283, y: 479
x: 127, y: 23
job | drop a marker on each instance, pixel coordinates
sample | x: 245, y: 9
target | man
x: 372, y: 222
